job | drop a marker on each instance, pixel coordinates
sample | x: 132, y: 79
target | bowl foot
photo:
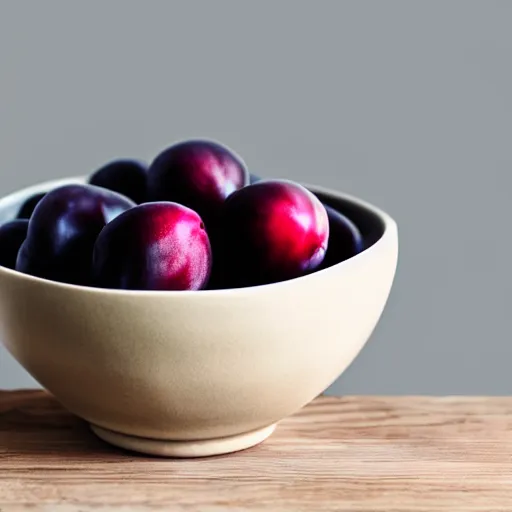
x: 184, y: 449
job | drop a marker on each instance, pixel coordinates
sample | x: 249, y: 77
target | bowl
x: 197, y: 373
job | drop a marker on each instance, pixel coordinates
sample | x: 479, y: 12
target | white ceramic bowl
x: 203, y: 372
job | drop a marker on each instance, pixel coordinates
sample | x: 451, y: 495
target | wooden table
x: 369, y: 454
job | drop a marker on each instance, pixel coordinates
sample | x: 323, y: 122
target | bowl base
x: 184, y: 449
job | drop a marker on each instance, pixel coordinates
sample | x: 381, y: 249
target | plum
x: 27, y: 208
x: 345, y: 239
x: 154, y: 246
x: 218, y: 276
x: 199, y: 174
x: 126, y: 177
x: 273, y: 230
x: 63, y: 229
x: 12, y: 235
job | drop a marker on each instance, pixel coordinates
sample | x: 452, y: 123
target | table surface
x: 369, y: 454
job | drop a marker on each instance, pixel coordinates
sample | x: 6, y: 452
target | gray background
x: 405, y: 103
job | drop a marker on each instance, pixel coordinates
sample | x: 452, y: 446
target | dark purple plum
x: 126, y: 177
x: 198, y: 174
x: 12, y: 235
x: 345, y: 239
x: 155, y: 246
x: 27, y: 208
x: 273, y: 230
x: 253, y: 178
x: 63, y: 229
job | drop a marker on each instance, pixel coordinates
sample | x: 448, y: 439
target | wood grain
x: 356, y: 454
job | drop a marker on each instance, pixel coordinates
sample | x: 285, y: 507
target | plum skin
x: 154, y: 246
x: 345, y: 239
x: 27, y: 208
x: 273, y: 230
x: 124, y: 176
x: 63, y: 229
x: 12, y: 235
x: 199, y: 174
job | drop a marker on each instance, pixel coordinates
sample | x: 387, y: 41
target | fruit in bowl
x: 154, y: 246
x: 130, y: 334
x: 124, y: 176
x: 199, y: 174
x: 28, y: 206
x: 273, y: 230
x: 12, y: 235
x: 63, y: 229
x: 345, y: 239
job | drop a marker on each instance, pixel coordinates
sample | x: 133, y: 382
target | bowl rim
x: 17, y: 196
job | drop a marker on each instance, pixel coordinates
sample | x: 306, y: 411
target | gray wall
x: 405, y: 103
